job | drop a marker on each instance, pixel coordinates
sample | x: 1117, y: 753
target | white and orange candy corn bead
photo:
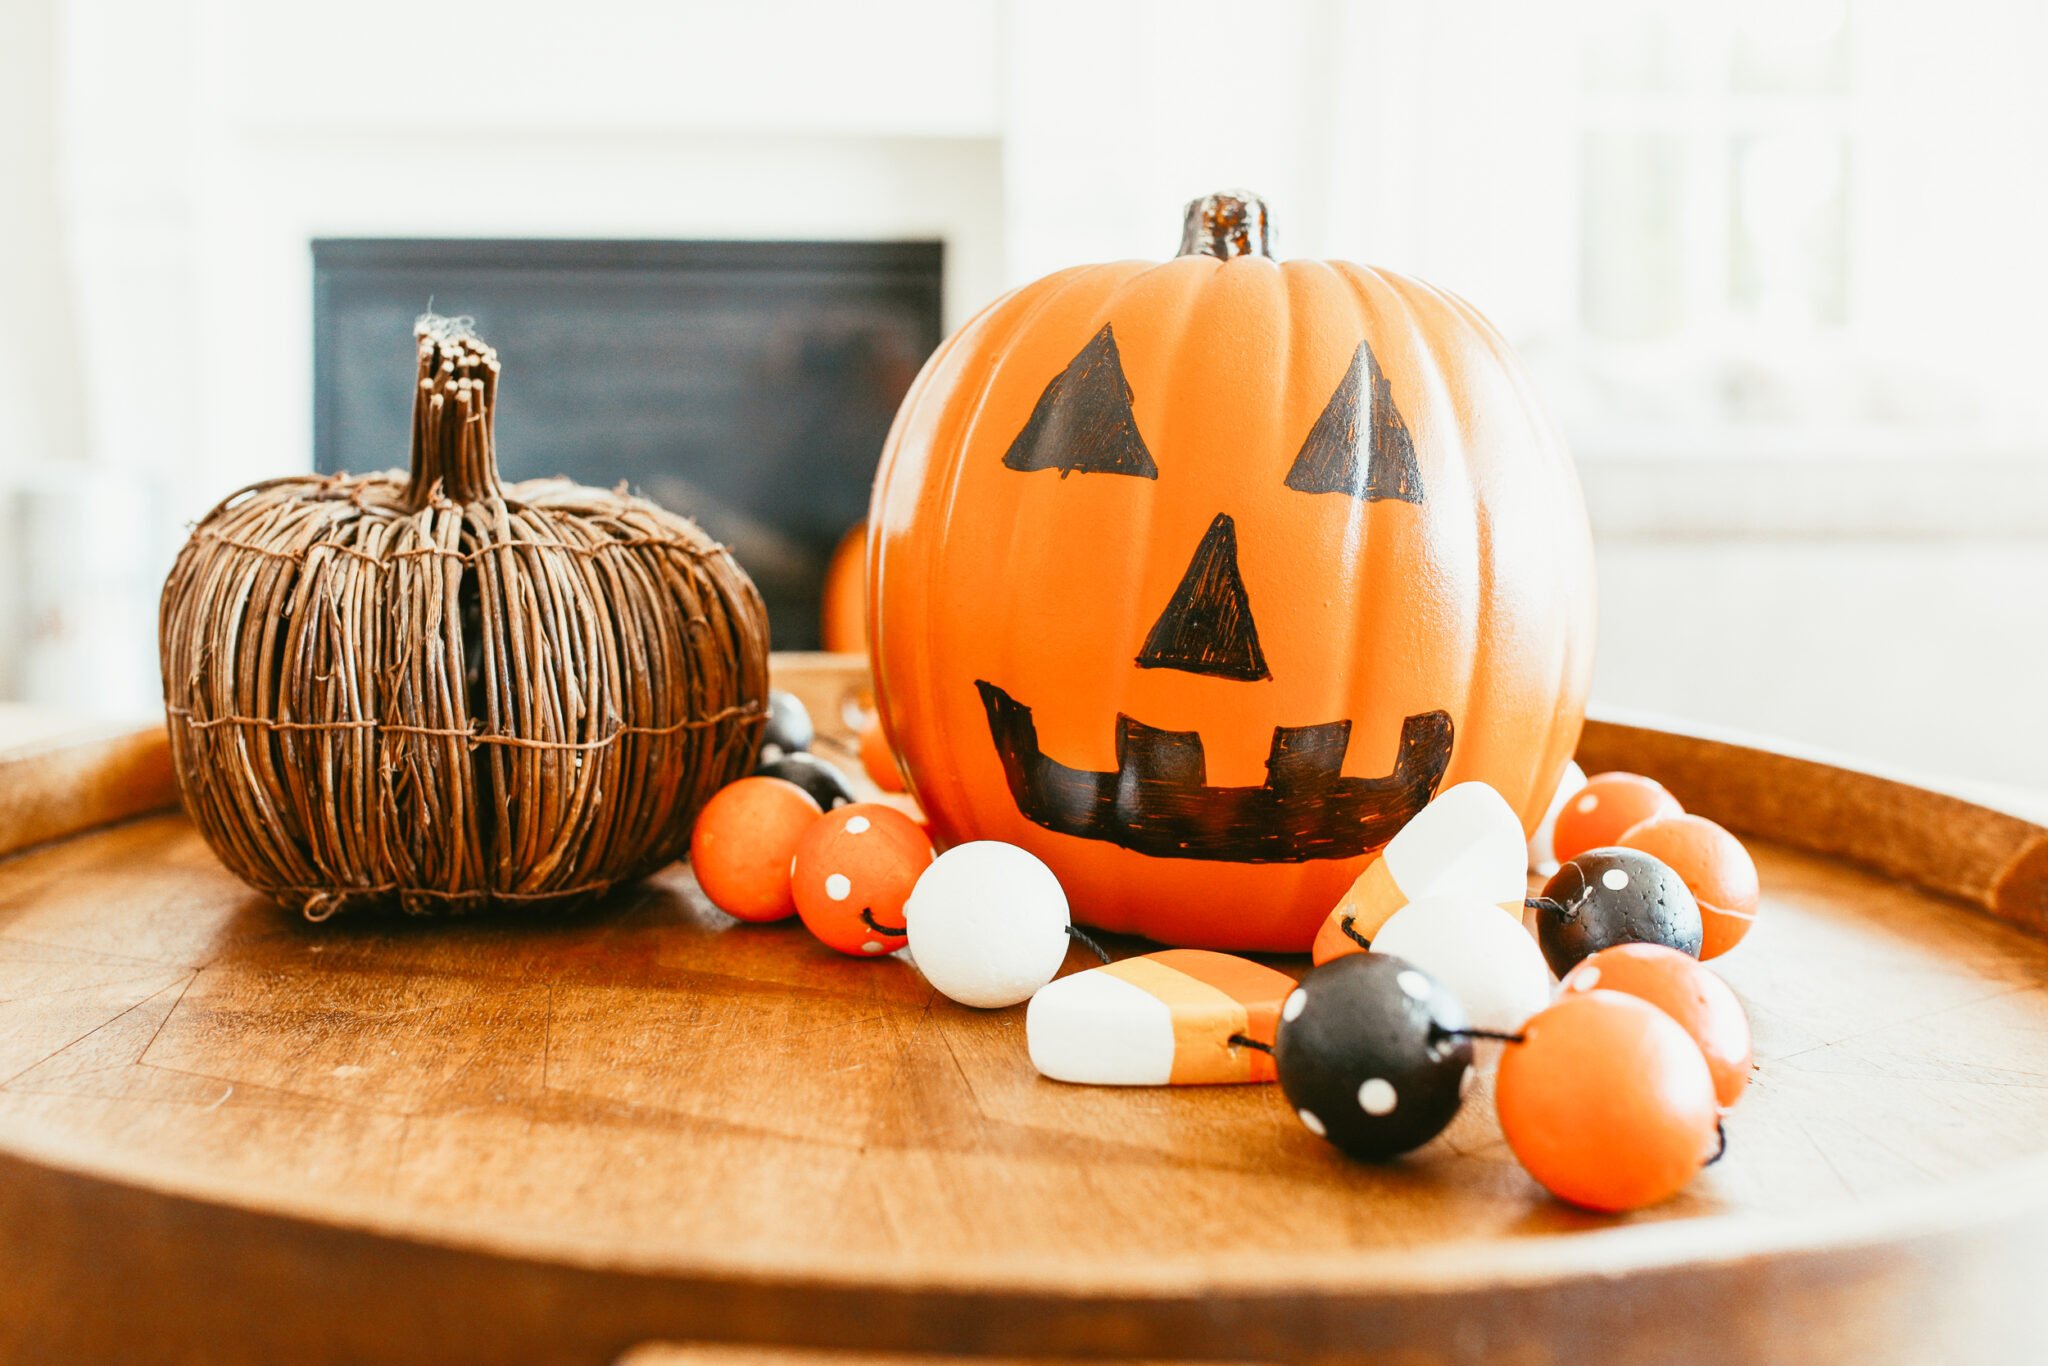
x: 1181, y: 1017
x: 1467, y: 844
x: 1485, y: 959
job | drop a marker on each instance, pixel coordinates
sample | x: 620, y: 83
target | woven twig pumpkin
x: 449, y: 693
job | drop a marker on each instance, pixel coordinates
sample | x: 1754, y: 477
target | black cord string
x: 1247, y: 1041
x: 1089, y: 944
x: 1349, y: 925
x: 1721, y: 1151
x: 1437, y: 1031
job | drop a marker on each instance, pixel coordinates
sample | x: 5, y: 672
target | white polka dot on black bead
x: 1297, y: 1001
x: 1312, y: 1124
x: 1378, y: 1097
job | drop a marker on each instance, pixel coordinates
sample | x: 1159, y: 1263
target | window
x: 1763, y: 255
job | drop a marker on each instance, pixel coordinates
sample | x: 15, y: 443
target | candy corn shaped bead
x: 1181, y: 1017
x: 1365, y: 906
x: 1466, y: 844
x: 1488, y: 961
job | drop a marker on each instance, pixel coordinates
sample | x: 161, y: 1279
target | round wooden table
x: 229, y: 1135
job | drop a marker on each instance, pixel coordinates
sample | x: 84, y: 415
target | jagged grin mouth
x: 1158, y: 801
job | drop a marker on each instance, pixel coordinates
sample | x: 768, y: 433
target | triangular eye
x: 1359, y: 445
x: 1083, y: 420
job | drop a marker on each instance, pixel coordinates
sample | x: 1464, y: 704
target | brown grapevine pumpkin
x: 1199, y: 579
x: 450, y: 694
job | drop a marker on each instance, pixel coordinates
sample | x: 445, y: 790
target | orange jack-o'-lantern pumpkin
x: 1197, y: 580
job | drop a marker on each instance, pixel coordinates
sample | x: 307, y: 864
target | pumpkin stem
x: 1226, y: 224
x: 453, y: 411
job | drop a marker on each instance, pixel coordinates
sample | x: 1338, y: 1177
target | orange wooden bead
x: 843, y: 606
x: 1704, y: 1005
x: 879, y: 760
x: 1606, y: 808
x: 1607, y: 1101
x: 853, y: 870
x: 1713, y: 865
x: 743, y: 842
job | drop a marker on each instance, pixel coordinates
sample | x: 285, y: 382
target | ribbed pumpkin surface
x: 1091, y: 661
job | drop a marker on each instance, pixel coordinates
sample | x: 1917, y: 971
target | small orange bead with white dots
x: 853, y: 870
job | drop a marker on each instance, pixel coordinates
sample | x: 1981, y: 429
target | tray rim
x: 2014, y: 1196
x: 1901, y: 1238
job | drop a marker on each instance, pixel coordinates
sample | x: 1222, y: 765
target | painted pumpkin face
x: 1198, y: 580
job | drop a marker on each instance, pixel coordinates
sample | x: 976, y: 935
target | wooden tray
x: 227, y: 1135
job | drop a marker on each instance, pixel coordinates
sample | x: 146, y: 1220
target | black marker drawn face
x: 1157, y: 801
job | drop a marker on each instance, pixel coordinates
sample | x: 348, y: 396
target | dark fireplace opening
x: 747, y: 385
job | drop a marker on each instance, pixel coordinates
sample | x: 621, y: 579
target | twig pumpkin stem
x: 454, y: 409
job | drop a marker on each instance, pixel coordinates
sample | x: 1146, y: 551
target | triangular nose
x: 1207, y: 627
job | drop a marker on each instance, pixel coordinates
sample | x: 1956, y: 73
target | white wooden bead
x: 987, y: 924
x: 1476, y: 950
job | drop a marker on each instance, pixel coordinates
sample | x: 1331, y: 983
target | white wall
x: 41, y: 406
x: 614, y: 120
x: 201, y: 143
x: 76, y: 537
x: 1931, y: 655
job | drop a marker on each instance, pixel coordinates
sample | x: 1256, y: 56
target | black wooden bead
x: 788, y: 729
x: 1605, y: 897
x: 825, y: 783
x: 1369, y: 1056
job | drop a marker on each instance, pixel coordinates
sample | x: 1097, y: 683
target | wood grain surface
x: 62, y: 774
x: 229, y: 1135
